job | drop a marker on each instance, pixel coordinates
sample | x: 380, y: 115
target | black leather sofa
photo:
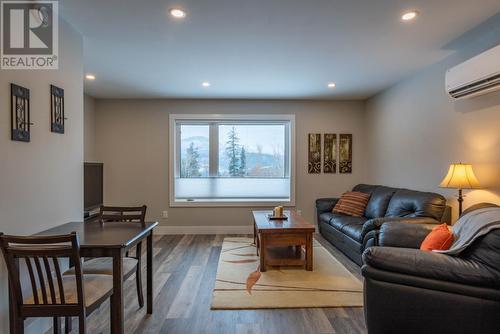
x: 411, y: 291
x: 352, y: 235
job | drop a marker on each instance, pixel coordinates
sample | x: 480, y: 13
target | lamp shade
x: 460, y: 176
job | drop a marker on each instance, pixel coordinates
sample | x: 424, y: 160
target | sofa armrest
x: 440, y: 267
x: 376, y: 223
x: 403, y: 235
x: 325, y: 204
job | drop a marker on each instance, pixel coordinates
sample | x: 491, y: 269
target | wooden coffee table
x: 280, y: 242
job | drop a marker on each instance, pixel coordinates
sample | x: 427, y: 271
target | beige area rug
x: 240, y: 285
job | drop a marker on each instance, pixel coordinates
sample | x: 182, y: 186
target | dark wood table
x: 113, y: 240
x: 293, y: 232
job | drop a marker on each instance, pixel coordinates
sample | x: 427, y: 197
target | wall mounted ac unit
x: 476, y: 76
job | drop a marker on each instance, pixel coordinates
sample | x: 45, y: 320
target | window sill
x: 243, y: 203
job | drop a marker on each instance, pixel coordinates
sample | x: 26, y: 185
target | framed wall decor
x: 330, y: 153
x: 345, y: 153
x: 314, y: 152
x: 56, y: 109
x: 20, y: 113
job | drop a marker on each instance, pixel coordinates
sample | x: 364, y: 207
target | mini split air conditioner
x: 476, y: 76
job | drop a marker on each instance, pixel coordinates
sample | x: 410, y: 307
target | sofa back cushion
x: 365, y: 188
x: 411, y: 203
x: 379, y: 201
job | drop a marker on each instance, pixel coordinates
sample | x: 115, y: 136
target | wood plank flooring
x: 185, y: 269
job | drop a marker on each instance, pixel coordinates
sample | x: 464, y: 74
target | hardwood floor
x: 185, y: 269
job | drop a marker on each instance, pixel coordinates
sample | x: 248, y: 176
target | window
x: 194, y: 151
x: 231, y: 159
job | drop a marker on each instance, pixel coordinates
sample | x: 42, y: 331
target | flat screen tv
x: 92, y: 185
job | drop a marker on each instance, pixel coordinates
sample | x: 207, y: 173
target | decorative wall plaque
x: 345, y: 153
x: 20, y: 113
x: 330, y: 153
x: 56, y: 109
x: 314, y: 163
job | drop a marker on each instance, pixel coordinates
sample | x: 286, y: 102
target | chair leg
x: 17, y: 327
x: 82, y: 325
x: 67, y: 325
x: 56, y: 325
x: 138, y: 280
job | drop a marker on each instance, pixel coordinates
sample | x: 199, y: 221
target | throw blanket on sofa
x: 471, y: 226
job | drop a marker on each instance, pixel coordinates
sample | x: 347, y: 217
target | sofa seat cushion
x: 327, y: 217
x: 354, y: 231
x: 350, y: 226
x: 339, y: 221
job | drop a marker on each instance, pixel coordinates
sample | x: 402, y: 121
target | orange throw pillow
x: 439, y: 239
x: 352, y: 204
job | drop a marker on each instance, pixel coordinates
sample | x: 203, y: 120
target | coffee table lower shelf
x: 285, y: 249
x: 286, y: 256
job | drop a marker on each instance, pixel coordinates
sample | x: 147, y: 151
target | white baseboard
x: 245, y: 229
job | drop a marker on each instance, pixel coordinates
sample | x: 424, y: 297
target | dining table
x: 114, y: 240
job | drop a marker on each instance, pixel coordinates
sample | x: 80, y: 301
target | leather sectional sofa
x: 352, y: 235
x: 412, y: 291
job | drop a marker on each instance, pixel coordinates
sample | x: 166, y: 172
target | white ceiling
x: 263, y: 49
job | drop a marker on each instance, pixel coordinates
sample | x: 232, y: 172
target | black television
x: 92, y: 186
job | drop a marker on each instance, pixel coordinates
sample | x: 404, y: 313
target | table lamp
x: 460, y: 176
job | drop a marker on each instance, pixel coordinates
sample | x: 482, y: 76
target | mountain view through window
x: 244, y: 151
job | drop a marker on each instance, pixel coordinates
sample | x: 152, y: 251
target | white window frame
x: 174, y: 157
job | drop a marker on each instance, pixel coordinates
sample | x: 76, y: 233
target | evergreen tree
x: 232, y: 152
x: 243, y: 162
x: 192, y: 162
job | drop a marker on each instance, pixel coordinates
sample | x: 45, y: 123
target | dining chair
x: 52, y: 294
x: 131, y: 264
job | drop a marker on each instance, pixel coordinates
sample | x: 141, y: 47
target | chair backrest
x: 41, y: 255
x: 122, y: 214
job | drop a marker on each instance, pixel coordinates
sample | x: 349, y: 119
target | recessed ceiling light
x: 332, y: 85
x: 409, y: 16
x: 177, y: 13
x: 205, y: 84
x: 90, y: 77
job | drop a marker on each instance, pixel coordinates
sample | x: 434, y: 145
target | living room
x: 199, y: 120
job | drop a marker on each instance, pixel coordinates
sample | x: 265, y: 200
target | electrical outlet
x: 164, y: 214
x: 299, y: 212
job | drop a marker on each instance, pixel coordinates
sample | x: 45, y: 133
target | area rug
x: 240, y: 284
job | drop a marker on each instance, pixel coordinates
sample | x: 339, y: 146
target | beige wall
x: 133, y: 143
x: 89, y: 145
x: 41, y: 182
x: 415, y: 131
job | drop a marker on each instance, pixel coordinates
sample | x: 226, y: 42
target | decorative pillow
x: 352, y: 204
x: 439, y: 239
